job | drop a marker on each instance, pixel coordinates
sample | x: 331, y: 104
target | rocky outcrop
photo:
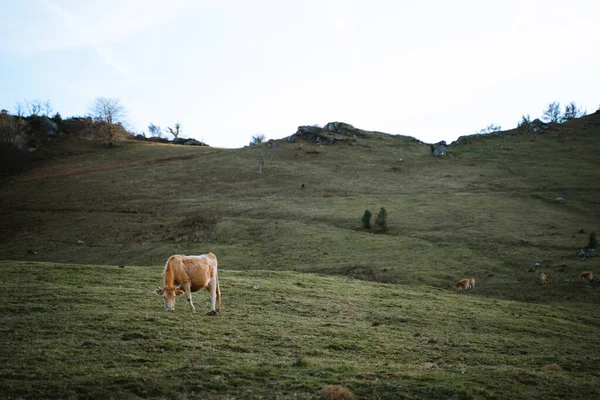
x: 333, y: 132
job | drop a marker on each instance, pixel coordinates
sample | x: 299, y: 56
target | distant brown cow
x: 192, y: 273
x: 464, y: 284
x: 544, y: 278
x: 587, y: 276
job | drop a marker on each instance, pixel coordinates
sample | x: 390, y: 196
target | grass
x: 85, y: 331
x: 337, y: 306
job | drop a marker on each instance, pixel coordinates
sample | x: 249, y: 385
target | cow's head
x: 169, y: 295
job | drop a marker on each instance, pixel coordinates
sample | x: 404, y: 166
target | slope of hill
x: 81, y: 331
x: 289, y: 241
x: 487, y: 210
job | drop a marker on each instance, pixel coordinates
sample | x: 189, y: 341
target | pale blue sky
x: 228, y: 70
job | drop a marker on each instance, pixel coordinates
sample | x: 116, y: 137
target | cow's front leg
x: 188, y: 295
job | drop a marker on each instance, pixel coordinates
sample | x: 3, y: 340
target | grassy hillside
x: 290, y: 245
x: 485, y: 211
x: 83, y: 331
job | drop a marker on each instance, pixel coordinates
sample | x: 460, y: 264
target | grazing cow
x: 587, y: 276
x: 544, y: 278
x: 464, y: 284
x: 191, y: 273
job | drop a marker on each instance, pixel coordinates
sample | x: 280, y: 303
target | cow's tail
x: 218, y: 290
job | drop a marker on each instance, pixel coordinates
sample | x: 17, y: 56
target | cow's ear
x: 179, y: 292
x: 159, y: 290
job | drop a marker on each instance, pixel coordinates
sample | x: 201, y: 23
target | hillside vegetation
x: 72, y: 331
x: 486, y: 210
x: 334, y: 303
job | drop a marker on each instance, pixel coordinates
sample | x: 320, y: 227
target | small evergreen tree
x: 593, y: 243
x: 366, y: 219
x: 381, y: 220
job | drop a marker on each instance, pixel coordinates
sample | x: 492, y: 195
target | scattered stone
x: 80, y: 242
x: 586, y: 253
x: 255, y: 287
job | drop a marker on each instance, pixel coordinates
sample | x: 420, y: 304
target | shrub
x: 256, y: 139
x: 10, y: 129
x: 337, y: 393
x: 491, y: 128
x: 524, y: 124
x: 593, y: 243
x: 196, y: 228
x: 381, y: 221
x: 366, y: 219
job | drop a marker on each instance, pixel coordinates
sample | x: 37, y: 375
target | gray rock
x: 440, y: 151
x: 50, y: 127
x: 559, y: 200
x: 193, y: 142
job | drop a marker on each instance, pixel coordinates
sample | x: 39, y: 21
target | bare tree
x: 572, y: 111
x: 108, y: 110
x: 111, y: 114
x: 10, y: 128
x: 47, y: 108
x: 19, y: 109
x: 155, y: 130
x: 175, y: 131
x: 552, y: 113
x: 34, y: 107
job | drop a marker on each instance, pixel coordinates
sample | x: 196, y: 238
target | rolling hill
x: 486, y: 210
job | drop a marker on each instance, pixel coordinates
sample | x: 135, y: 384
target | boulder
x: 440, y: 151
x: 193, y: 142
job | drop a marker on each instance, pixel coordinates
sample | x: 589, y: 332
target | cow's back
x: 200, y: 270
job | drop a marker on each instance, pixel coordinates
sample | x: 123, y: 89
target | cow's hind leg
x: 188, y: 294
x: 212, y: 289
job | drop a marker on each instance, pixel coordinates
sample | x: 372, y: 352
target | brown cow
x: 464, y: 284
x: 544, y: 278
x: 587, y: 276
x: 191, y: 273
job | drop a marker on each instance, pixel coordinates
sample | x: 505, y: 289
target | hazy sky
x: 228, y: 70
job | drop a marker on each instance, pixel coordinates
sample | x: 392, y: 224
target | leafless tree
x: 19, y: 109
x: 111, y: 114
x: 552, y: 113
x: 47, y: 108
x: 10, y: 128
x: 108, y: 110
x: 155, y: 130
x: 175, y: 131
x: 34, y: 107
